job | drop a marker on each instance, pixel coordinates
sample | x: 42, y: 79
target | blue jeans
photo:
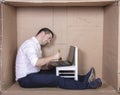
x: 49, y: 79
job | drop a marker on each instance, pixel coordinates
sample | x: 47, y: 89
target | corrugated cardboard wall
x: 9, y: 45
x: 60, y: 2
x: 0, y: 44
x: 119, y: 49
x: 80, y: 26
x: 110, y: 45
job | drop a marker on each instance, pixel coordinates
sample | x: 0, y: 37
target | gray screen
x: 71, y: 54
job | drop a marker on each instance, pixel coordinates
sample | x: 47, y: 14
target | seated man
x: 29, y: 63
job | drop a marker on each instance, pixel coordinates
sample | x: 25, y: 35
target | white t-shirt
x: 27, y: 57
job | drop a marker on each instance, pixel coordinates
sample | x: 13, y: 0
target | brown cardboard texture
x: 92, y: 25
x: 59, y: 2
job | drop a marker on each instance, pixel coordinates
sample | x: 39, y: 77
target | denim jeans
x: 49, y: 79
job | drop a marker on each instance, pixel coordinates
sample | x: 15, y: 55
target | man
x: 29, y: 63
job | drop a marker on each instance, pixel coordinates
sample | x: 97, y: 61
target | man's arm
x: 42, y: 61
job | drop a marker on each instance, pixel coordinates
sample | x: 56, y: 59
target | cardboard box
x: 92, y: 25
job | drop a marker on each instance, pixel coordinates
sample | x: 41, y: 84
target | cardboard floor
x: 17, y: 90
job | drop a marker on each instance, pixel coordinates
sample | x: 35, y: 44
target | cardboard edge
x: 19, y: 3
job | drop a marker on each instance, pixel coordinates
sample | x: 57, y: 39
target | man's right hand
x: 56, y: 56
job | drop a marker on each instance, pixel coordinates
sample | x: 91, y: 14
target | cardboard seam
x: 73, y: 1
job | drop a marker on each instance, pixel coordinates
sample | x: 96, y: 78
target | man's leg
x: 50, y: 80
x: 71, y: 84
x: 89, y: 77
x: 37, y: 80
x: 81, y: 78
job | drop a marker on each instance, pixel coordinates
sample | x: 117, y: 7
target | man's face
x: 46, y: 39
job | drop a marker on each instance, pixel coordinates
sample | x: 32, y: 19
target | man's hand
x: 56, y: 56
x: 43, y: 61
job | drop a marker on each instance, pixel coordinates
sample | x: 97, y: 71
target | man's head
x: 44, y: 36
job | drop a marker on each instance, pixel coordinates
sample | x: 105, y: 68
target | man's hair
x: 46, y: 30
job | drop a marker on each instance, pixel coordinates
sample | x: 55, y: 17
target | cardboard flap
x: 58, y: 2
